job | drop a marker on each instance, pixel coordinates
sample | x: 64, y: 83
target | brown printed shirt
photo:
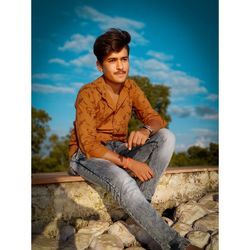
x: 98, y: 120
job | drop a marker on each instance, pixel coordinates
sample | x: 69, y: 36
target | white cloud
x: 159, y: 55
x: 182, y: 111
x: 52, y: 77
x: 160, y: 72
x: 205, y: 136
x: 78, y: 43
x: 105, y: 22
x: 206, y: 112
x: 47, y: 88
x: 212, y: 97
x: 59, y: 61
x: 87, y: 60
x: 201, y: 112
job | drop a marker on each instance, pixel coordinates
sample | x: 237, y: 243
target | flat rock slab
x: 198, y: 238
x: 40, y: 242
x: 107, y: 242
x: 207, y: 223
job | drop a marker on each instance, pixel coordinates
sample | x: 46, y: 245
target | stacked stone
x: 197, y: 220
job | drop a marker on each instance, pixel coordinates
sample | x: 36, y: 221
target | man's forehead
x: 121, y: 53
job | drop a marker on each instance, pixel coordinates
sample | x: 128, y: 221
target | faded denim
x: 132, y: 194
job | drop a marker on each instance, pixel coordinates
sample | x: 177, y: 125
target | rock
x: 182, y: 228
x: 41, y: 242
x: 210, y: 202
x: 65, y: 232
x: 51, y: 230
x: 169, y: 221
x: 189, y: 212
x: 79, y: 223
x: 214, y: 243
x: 198, y: 238
x: 119, y: 229
x: 135, y: 248
x: 106, y: 242
x: 95, y: 228
x: 209, y: 197
x: 174, y: 189
x: 208, y: 223
x: 118, y: 214
x: 210, y: 206
x: 79, y: 241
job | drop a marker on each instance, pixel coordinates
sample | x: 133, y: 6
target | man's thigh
x: 104, y: 173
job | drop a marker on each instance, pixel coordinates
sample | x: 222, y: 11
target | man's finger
x: 130, y: 140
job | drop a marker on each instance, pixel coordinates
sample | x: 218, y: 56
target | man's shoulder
x: 88, y: 88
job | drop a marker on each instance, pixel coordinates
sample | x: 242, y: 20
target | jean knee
x: 167, y: 136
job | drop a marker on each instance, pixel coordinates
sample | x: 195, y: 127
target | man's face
x: 115, y: 66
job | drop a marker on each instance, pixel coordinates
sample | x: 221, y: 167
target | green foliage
x: 40, y: 119
x: 158, y: 96
x: 197, y: 156
x: 57, y: 159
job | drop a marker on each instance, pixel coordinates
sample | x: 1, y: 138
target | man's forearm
x: 114, y: 157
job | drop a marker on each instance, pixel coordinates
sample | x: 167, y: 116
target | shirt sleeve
x: 143, y: 108
x: 86, y: 125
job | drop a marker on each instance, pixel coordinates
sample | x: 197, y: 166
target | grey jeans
x: 132, y: 194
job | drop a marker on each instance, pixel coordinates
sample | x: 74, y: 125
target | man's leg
x: 126, y: 192
x: 157, y: 152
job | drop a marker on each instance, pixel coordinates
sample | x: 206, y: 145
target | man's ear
x: 99, y: 66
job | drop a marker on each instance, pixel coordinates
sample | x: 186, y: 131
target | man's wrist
x: 144, y: 130
x: 149, y: 129
x: 126, y: 162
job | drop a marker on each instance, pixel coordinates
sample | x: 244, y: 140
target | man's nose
x: 119, y: 64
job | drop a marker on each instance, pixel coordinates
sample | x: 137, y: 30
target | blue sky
x: 174, y: 43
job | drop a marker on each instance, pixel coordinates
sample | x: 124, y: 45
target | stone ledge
x: 77, y: 200
x: 62, y: 177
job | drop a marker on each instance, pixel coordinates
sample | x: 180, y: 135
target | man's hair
x: 114, y: 40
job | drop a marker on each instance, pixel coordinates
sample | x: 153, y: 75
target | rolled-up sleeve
x: 86, y: 125
x: 143, y: 108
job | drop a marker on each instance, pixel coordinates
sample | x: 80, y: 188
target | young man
x: 100, y: 151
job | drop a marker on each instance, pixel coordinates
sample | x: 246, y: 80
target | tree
x: 40, y: 119
x: 158, y: 96
x: 213, y: 156
x: 197, y: 156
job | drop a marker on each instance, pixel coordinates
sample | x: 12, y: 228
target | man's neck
x: 114, y: 87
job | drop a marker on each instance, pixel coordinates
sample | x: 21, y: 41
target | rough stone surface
x: 169, y: 221
x: 95, y: 228
x: 135, y: 248
x: 119, y: 229
x: 174, y: 189
x: 106, y: 242
x: 198, y: 238
x: 40, y: 242
x: 79, y: 241
x: 207, y: 223
x: 214, y: 244
x: 182, y: 228
x: 66, y: 232
x: 77, y: 216
x: 189, y: 212
x: 69, y: 201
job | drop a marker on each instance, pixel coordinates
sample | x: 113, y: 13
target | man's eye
x: 111, y: 60
x: 125, y: 59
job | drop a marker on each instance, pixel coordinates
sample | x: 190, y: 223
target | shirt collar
x: 101, y: 87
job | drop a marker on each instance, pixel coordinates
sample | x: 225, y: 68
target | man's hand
x: 138, y: 138
x: 140, y: 170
